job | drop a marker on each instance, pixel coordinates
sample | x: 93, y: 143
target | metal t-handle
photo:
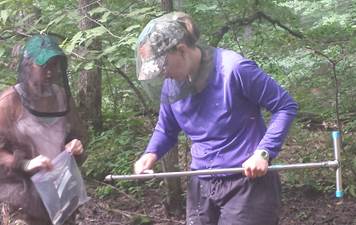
x: 219, y: 171
x: 339, y: 193
x: 331, y: 164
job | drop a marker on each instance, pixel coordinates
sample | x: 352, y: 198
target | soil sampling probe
x: 330, y: 164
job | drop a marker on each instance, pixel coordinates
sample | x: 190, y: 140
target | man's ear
x: 182, y: 49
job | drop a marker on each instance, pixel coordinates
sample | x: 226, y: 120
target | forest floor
x: 300, y: 206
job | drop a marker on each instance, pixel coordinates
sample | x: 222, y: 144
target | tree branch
x: 249, y: 20
x: 219, y: 34
x: 297, y: 34
x: 135, y: 89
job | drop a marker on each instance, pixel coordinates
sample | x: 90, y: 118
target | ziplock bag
x: 61, y: 189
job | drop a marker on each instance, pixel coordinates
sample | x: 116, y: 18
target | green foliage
x: 103, y: 191
x: 316, y: 146
x: 114, y: 150
x: 141, y: 220
x: 349, y: 163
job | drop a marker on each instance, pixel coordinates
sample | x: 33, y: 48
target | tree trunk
x: 89, y: 94
x: 167, y: 5
x: 174, y: 198
x: 170, y: 161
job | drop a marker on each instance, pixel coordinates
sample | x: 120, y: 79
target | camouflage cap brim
x: 152, y: 68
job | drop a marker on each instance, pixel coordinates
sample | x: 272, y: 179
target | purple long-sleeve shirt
x: 224, y: 121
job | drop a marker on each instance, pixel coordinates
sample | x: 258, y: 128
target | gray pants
x: 234, y: 200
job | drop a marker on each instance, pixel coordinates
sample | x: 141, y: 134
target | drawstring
x: 215, y: 184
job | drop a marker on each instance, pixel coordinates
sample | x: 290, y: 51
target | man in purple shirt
x: 215, y: 97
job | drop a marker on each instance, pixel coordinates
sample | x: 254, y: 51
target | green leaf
x: 4, y: 15
x: 109, y: 50
x: 97, y: 10
x: 140, y: 12
x: 352, y: 190
x: 121, y: 62
x: 4, y: 2
x: 141, y: 220
x: 105, y: 17
x: 77, y: 39
x: 89, y: 66
x: 95, y: 32
x: 205, y: 7
x: 129, y: 40
x: 133, y: 27
x: 2, y: 51
x: 56, y: 21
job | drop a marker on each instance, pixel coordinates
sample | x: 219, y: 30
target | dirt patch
x: 300, y: 206
x: 305, y: 206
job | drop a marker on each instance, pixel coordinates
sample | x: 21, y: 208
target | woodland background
x: 307, y: 46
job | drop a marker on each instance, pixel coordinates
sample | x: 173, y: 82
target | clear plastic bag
x: 62, y: 189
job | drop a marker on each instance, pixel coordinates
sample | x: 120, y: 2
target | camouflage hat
x: 41, y: 48
x: 157, y: 38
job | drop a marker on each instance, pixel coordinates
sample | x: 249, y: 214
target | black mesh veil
x: 42, y: 81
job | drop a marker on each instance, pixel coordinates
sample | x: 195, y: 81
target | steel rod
x: 333, y: 164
